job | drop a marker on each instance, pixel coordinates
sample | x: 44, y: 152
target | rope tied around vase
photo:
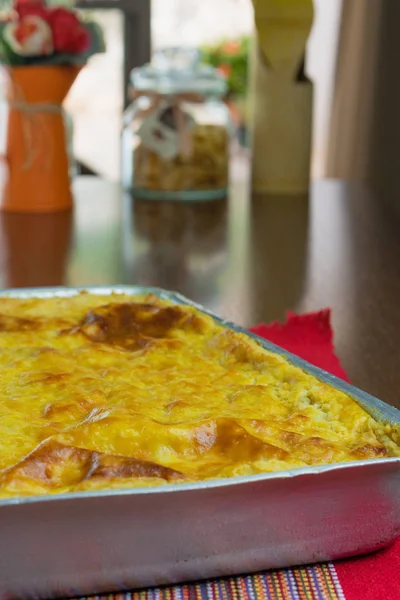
x: 34, y: 126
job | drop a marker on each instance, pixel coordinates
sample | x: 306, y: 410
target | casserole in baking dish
x: 78, y: 543
x: 102, y: 392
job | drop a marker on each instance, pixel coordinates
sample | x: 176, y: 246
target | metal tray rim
x: 203, y: 485
x: 374, y: 406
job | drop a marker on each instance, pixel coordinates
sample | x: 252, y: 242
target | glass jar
x: 176, y: 135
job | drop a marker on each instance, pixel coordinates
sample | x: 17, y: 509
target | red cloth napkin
x: 377, y: 576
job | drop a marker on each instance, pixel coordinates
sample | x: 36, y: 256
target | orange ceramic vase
x: 38, y: 166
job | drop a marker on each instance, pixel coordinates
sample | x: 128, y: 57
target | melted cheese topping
x: 104, y: 392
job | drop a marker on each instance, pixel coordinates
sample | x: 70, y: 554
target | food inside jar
x: 206, y: 168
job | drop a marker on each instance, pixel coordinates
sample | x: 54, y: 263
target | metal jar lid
x: 178, y: 70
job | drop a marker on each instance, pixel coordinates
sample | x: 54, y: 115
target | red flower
x: 30, y: 8
x: 69, y: 35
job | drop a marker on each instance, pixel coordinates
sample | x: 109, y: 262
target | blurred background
x: 132, y: 27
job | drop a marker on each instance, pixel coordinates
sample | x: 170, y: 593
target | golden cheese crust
x: 106, y: 392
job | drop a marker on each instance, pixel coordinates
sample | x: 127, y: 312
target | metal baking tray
x: 87, y: 543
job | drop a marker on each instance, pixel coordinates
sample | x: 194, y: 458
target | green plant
x: 230, y: 57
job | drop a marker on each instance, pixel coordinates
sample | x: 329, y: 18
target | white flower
x: 31, y: 36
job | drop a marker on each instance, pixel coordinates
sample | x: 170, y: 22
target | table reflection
x: 278, y: 252
x: 176, y: 245
x: 34, y: 249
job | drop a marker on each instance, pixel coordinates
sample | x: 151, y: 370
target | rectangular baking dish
x: 88, y: 543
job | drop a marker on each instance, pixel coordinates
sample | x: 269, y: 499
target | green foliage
x: 231, y: 58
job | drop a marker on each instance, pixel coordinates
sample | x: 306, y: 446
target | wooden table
x: 247, y: 259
